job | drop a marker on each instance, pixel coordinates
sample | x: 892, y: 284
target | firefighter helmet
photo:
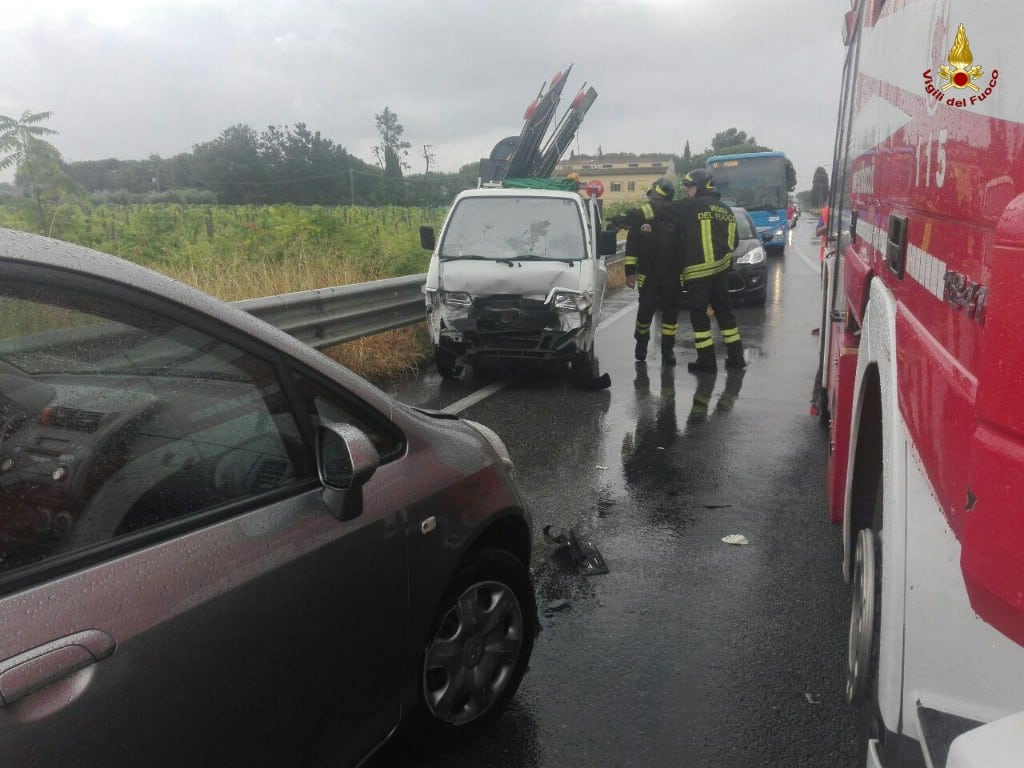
x: 663, y: 188
x: 700, y: 179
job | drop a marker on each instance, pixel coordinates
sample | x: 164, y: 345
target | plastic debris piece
x: 735, y: 538
x: 555, y: 535
x: 599, y: 466
x: 588, y: 560
x: 716, y: 506
x: 583, y: 554
x: 810, y: 698
x: 558, y: 605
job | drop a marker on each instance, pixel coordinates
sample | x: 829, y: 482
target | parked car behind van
x: 748, y: 275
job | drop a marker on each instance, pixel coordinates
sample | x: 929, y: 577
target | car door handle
x: 38, y: 667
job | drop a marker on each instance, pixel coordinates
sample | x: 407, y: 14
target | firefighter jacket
x: 707, y: 233
x: 652, y: 250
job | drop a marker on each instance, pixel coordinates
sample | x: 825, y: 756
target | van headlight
x: 753, y: 256
x: 456, y: 299
x: 570, y: 301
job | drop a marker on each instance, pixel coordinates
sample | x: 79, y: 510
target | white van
x: 517, y: 276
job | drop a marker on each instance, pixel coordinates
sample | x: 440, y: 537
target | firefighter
x: 707, y: 231
x: 653, y: 267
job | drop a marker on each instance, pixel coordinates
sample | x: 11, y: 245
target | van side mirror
x: 427, y: 238
x: 607, y: 243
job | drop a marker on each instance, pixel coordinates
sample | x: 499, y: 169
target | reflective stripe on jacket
x: 708, y: 233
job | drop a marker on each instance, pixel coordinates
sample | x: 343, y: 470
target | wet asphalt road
x: 690, y: 651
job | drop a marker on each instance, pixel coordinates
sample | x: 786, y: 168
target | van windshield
x: 504, y: 228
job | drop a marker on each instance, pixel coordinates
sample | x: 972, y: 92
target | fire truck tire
x: 865, y: 631
x: 863, y: 614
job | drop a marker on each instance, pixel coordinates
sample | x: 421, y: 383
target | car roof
x: 559, y: 194
x: 738, y: 211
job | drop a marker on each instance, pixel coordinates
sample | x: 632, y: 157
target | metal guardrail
x: 326, y: 317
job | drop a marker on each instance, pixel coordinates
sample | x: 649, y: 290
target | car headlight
x: 495, y: 442
x: 779, y: 232
x: 570, y: 301
x: 753, y: 256
x: 456, y: 298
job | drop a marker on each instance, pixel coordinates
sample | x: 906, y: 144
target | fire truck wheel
x: 865, y: 631
x: 863, y: 615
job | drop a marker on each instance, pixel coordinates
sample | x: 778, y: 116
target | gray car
x: 218, y: 547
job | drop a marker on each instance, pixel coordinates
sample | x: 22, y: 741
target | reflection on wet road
x: 690, y: 651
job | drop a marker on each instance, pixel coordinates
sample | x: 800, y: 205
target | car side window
x: 326, y: 406
x: 116, y: 418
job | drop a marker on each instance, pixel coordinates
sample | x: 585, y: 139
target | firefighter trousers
x: 713, y: 290
x: 657, y: 294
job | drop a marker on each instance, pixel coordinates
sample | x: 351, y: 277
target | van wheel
x: 478, y: 650
x: 446, y: 363
x: 584, y: 367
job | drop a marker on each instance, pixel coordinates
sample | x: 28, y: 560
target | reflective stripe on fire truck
x: 928, y: 270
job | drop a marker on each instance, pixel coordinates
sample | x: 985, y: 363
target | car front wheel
x: 478, y: 651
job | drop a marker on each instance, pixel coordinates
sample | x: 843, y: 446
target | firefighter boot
x: 668, y: 355
x: 734, y: 355
x: 705, y: 362
x: 640, y: 351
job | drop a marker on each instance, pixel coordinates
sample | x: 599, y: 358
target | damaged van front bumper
x: 513, y: 328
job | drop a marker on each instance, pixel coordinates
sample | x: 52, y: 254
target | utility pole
x: 351, y: 187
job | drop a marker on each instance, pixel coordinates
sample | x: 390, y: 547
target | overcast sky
x: 131, y: 79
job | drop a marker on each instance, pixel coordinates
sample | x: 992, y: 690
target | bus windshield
x: 754, y: 183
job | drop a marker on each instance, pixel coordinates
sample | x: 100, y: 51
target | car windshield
x: 744, y: 226
x: 503, y: 228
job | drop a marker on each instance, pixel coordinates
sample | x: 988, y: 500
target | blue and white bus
x: 756, y: 181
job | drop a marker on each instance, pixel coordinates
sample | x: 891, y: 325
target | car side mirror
x: 345, y: 460
x: 427, y: 238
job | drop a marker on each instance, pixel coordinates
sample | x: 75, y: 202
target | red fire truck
x: 921, y: 378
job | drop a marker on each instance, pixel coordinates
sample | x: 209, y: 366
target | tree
x: 233, y: 165
x: 37, y: 163
x: 819, y: 187
x: 734, y: 142
x: 19, y: 139
x: 392, y: 150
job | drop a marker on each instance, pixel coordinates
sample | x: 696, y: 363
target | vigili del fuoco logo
x: 962, y: 82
